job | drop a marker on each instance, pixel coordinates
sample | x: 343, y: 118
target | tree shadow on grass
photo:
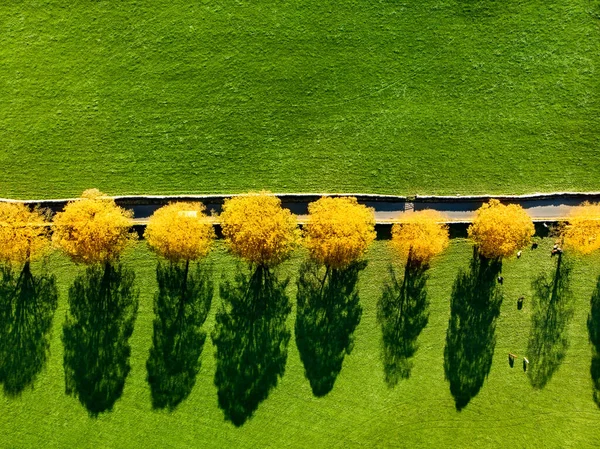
x: 593, y: 323
x: 181, y: 306
x: 327, y: 315
x: 470, y: 338
x: 27, y: 306
x: 552, y: 309
x: 402, y: 314
x: 103, y: 305
x: 251, y: 339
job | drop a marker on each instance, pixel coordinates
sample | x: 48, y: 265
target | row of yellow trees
x: 257, y: 229
x: 103, y: 301
x: 94, y: 230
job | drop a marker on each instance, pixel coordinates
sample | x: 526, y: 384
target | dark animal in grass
x: 511, y: 359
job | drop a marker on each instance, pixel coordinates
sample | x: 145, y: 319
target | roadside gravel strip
x: 542, y: 207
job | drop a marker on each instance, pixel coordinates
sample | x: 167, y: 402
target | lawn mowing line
x: 373, y: 196
x: 378, y: 91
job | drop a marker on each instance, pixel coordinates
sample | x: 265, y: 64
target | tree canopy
x: 257, y: 229
x: 582, y: 232
x: 24, y: 233
x: 180, y: 232
x: 500, y: 230
x: 338, y: 231
x: 420, y: 236
x: 93, y: 229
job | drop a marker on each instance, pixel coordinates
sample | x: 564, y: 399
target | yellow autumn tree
x: 338, y: 231
x: 93, y: 229
x: 582, y: 230
x: 24, y: 233
x: 27, y: 300
x: 337, y: 234
x: 257, y: 229
x: 500, y: 230
x: 180, y: 232
x: 420, y: 236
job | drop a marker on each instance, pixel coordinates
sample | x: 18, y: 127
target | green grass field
x: 428, y: 97
x: 361, y: 409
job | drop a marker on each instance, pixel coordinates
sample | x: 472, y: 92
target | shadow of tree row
x: 402, y: 314
x: 470, y: 338
x: 103, y: 305
x: 27, y: 306
x: 552, y: 309
x: 181, y: 306
x: 251, y: 334
x: 593, y: 324
x: 328, y: 312
x: 251, y: 338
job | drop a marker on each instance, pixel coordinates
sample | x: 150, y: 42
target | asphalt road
x: 541, y: 207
